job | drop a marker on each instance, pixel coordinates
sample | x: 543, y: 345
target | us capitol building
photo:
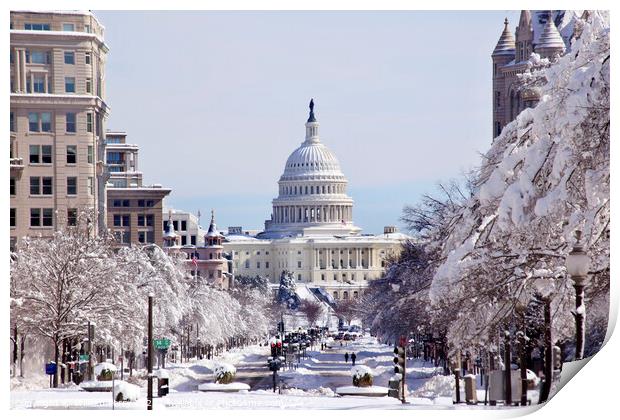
x: 311, y: 231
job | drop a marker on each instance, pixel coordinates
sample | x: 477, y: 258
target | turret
x: 550, y: 42
x: 503, y: 53
x: 524, y: 36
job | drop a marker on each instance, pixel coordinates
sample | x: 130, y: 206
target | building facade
x: 134, y: 211
x: 57, y: 72
x: 186, y: 225
x: 545, y: 32
x: 311, y: 231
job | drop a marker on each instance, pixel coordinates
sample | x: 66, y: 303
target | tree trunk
x: 15, y: 349
x: 21, y: 356
x: 56, y: 360
x: 546, y: 387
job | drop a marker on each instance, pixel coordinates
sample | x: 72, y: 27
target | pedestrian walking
x: 346, y: 357
x: 353, y: 357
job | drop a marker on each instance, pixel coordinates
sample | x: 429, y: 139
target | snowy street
x: 311, y: 385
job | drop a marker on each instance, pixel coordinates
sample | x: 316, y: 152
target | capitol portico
x: 311, y: 231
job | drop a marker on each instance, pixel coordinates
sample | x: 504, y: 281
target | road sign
x: 50, y: 368
x: 161, y: 343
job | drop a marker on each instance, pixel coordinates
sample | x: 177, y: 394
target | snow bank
x: 437, y: 386
x: 100, y: 367
x: 231, y: 387
x: 359, y: 371
x: 124, y: 391
x: 369, y: 391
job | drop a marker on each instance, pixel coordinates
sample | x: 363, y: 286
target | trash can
x: 470, y: 389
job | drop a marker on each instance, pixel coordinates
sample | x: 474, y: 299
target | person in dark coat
x: 353, y: 357
x: 346, y: 357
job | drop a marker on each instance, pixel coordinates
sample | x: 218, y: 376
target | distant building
x: 186, y: 225
x: 545, y: 32
x: 206, y: 262
x: 134, y: 211
x: 58, y: 110
x: 311, y: 231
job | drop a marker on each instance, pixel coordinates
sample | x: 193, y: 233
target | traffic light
x: 399, y: 360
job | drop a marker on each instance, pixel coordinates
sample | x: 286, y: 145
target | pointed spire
x: 212, y: 227
x: 506, y: 43
x: 525, y: 19
x: 550, y: 42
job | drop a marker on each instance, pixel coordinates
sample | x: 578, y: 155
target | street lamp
x: 577, y: 266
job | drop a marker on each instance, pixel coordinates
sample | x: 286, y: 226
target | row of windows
x: 124, y: 220
x: 258, y: 264
x: 212, y: 255
x: 45, y: 57
x: 42, y: 122
x: 124, y: 236
x: 43, y: 217
x: 345, y: 295
x: 175, y: 225
x: 43, y: 185
x: 309, y: 190
x: 126, y: 203
x: 42, y: 154
x: 66, y: 27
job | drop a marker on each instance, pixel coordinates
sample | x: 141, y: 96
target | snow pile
x: 359, y: 371
x: 100, y: 367
x: 124, y: 391
x: 437, y: 386
x: 222, y: 368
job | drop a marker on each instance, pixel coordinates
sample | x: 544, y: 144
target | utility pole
x: 90, y: 353
x: 149, y: 360
x: 507, y: 371
x: 546, y: 387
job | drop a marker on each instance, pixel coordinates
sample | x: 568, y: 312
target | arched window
x: 210, y: 255
x: 336, y: 296
x: 345, y: 295
x: 355, y: 294
x: 312, y: 189
x: 295, y: 189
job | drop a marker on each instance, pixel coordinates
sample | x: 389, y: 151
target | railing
x: 17, y: 163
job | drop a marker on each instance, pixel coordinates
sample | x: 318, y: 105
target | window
x: 46, y: 154
x: 35, y: 217
x: 258, y: 264
x: 38, y: 84
x: 37, y: 57
x: 120, y: 203
x: 298, y: 277
x: 71, y: 122
x: 87, y: 58
x: 37, y: 26
x: 89, y: 122
x: 46, y: 184
x: 46, y: 122
x: 298, y: 264
x: 122, y: 236
x: 12, y: 217
x: 90, y: 154
x: 89, y: 85
x: 40, y: 185
x: 247, y: 263
x: 72, y: 154
x: 68, y: 27
x: 71, y: 185
x: 145, y: 220
x: 91, y: 187
x: 70, y: 84
x: 35, y: 154
x: 183, y: 225
x: 175, y: 224
x: 335, y: 295
x: 33, y: 122
x: 121, y: 220
x: 12, y: 186
x: 71, y: 217
x: 142, y: 237
x: 183, y: 240
x: 12, y: 122
x: 498, y: 96
x: 69, y: 57
x: 48, y: 215
x: 266, y: 264
x: 87, y: 28
x: 192, y: 239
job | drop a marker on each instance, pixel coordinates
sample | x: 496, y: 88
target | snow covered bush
x: 362, y: 376
x: 104, y: 371
x: 124, y: 391
x: 224, y: 373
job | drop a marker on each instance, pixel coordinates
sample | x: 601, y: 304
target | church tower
x: 503, y: 53
x: 525, y: 37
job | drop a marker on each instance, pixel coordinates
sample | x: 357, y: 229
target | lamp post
x: 577, y: 266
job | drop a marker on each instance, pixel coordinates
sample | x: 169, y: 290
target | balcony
x: 17, y: 166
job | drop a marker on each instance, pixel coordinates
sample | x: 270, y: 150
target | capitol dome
x: 312, y: 195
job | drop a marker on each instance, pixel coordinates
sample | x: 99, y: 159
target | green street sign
x: 161, y: 343
x: 84, y: 357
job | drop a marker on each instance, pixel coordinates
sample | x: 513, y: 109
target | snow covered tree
x: 287, y: 294
x: 499, y: 248
x: 63, y: 282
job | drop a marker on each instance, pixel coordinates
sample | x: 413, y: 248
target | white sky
x: 218, y: 100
